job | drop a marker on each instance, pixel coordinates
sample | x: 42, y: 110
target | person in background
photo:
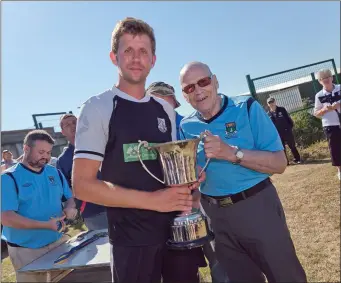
x: 284, y: 125
x: 327, y: 107
x: 32, y: 195
x: 167, y: 93
x: 7, y: 160
x: 95, y: 216
x: 53, y: 161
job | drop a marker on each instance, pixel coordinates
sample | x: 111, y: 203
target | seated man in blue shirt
x: 247, y: 217
x: 95, y: 216
x: 32, y: 194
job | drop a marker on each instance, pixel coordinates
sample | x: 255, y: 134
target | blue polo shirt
x: 178, y: 119
x: 235, y: 126
x: 64, y: 164
x: 39, y: 197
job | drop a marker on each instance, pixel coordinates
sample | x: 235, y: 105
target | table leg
x: 48, y: 276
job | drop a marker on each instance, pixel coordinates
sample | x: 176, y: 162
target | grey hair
x: 324, y: 73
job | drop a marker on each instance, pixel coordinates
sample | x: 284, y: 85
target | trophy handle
x: 145, y: 144
x: 202, y: 136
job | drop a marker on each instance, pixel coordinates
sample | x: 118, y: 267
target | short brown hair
x: 37, y: 135
x: 65, y: 116
x: 134, y: 27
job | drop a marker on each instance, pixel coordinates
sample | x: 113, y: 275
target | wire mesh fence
x: 47, y: 120
x: 294, y: 88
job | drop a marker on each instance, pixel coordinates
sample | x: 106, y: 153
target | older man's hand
x: 216, y: 148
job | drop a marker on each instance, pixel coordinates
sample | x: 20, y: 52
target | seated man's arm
x: 10, y: 206
x: 14, y: 220
x: 70, y: 209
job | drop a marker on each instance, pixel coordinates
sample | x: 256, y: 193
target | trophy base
x: 190, y: 244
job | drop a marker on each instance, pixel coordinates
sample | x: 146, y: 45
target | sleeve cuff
x: 93, y: 155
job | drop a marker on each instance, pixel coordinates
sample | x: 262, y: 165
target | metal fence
x: 292, y: 88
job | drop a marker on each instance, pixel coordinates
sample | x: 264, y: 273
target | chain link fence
x: 293, y: 89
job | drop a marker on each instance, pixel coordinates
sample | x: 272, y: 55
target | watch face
x: 240, y: 154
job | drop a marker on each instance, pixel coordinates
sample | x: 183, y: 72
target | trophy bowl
x: 178, y: 160
x: 189, y: 231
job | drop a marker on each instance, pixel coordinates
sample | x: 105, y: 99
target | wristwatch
x: 239, y: 154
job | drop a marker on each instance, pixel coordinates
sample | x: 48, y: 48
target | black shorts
x: 333, y: 134
x: 183, y: 266
x: 149, y: 263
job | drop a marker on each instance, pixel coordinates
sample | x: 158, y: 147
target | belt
x: 223, y: 201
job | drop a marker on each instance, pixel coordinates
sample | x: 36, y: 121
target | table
x: 96, y: 254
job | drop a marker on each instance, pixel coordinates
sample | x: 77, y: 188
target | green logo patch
x: 131, y: 155
x: 231, y: 130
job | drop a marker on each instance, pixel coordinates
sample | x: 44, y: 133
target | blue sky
x: 56, y: 54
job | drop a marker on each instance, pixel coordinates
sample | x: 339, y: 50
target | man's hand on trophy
x: 216, y: 148
x: 177, y: 198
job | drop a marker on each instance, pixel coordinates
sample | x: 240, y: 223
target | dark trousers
x: 287, y: 137
x: 252, y: 239
x: 333, y: 134
x: 148, y: 264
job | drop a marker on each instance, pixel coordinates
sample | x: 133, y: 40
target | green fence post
x: 314, y: 82
x: 251, y: 86
x: 335, y: 71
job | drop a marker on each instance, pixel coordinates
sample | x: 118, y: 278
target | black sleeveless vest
x: 129, y: 123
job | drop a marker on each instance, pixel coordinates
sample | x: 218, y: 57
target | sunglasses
x: 202, y: 83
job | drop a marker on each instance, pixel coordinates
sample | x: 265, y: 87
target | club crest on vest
x: 162, y: 125
x: 231, y: 130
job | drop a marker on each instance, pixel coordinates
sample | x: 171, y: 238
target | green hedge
x: 307, y: 128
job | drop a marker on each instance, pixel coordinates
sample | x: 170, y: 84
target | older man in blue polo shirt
x: 252, y: 237
x: 32, y: 193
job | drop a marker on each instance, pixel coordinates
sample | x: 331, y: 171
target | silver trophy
x: 179, y: 163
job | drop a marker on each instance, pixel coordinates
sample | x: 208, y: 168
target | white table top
x: 95, y: 254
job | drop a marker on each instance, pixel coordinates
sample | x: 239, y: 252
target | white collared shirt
x: 330, y: 118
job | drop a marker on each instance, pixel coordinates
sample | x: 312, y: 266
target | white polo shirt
x: 330, y: 118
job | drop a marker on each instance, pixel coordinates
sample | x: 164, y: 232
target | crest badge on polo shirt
x: 231, y: 130
x: 162, y: 125
x: 51, y: 179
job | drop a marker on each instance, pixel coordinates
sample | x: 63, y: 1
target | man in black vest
x: 284, y: 125
x: 139, y: 208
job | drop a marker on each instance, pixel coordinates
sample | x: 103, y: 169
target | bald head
x: 194, y: 66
